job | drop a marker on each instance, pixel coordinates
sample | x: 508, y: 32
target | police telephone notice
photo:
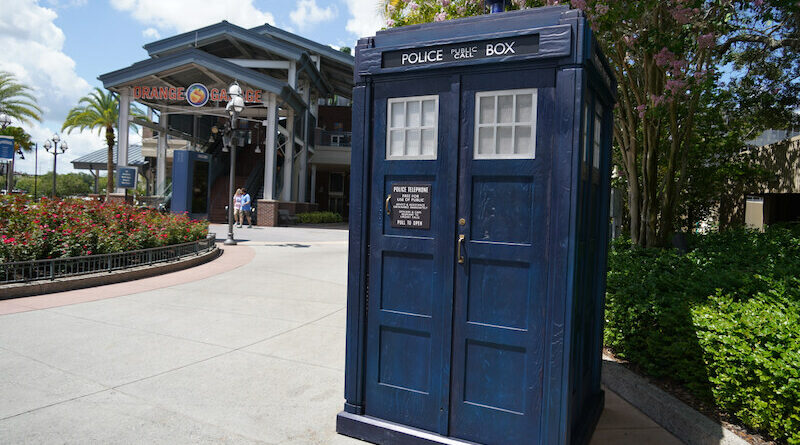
x: 411, y: 206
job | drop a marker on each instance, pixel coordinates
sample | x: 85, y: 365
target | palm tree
x: 99, y: 110
x: 16, y: 99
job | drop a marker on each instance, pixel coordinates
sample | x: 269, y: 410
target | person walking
x: 237, y: 207
x: 245, y: 211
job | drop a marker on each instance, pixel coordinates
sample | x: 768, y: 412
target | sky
x: 59, y: 47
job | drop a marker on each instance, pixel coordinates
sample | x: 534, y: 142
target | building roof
x: 97, y: 159
x: 192, y: 65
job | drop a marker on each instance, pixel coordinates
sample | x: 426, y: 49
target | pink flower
x: 601, y: 8
x: 682, y: 15
x: 440, y: 17
x: 413, y: 5
x: 579, y: 4
x: 641, y: 109
x: 445, y: 2
x: 706, y: 41
x: 675, y: 85
x: 664, y: 57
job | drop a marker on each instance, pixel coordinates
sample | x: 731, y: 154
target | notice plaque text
x: 460, y: 52
x: 411, y: 206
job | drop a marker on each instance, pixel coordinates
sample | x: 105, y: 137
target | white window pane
x: 396, y: 142
x: 486, y: 140
x: 505, y: 109
x: 505, y: 143
x: 398, y: 115
x: 522, y: 140
x: 412, y: 114
x: 487, y: 110
x: 525, y: 108
x: 412, y: 142
x: 428, y: 142
x: 428, y: 113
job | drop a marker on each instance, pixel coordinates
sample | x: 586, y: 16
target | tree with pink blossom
x: 666, y: 54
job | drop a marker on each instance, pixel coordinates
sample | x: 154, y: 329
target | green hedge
x: 722, y: 320
x: 319, y: 218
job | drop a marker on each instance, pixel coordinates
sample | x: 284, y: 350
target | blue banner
x: 7, y: 147
x: 126, y: 177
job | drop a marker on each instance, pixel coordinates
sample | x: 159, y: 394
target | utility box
x: 190, y: 186
x: 480, y: 171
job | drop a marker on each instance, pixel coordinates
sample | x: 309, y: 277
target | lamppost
x: 55, y: 146
x: 234, y: 107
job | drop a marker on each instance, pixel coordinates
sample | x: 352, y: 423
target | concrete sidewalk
x: 248, y: 350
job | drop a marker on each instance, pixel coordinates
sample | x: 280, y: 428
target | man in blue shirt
x: 245, y: 209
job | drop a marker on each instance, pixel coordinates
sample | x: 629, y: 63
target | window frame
x: 513, y: 124
x: 435, y: 127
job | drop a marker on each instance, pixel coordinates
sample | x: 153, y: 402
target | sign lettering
x: 411, y: 206
x: 126, y: 177
x: 197, y: 94
x: 7, y: 147
x: 509, y: 46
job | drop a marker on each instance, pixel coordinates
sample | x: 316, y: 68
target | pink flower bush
x: 31, y: 230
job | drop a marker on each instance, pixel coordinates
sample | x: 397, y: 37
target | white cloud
x: 67, y: 3
x: 365, y: 17
x: 33, y: 52
x: 309, y: 13
x: 186, y: 15
x: 151, y: 33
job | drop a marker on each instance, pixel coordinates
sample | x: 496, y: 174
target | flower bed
x: 31, y: 230
x: 722, y: 321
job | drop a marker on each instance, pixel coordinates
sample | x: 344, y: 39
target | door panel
x: 499, y: 306
x: 411, y: 270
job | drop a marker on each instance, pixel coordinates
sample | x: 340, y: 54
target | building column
x: 161, y: 155
x: 313, y: 183
x: 303, y: 168
x: 123, y: 126
x: 270, y: 152
x: 288, y: 158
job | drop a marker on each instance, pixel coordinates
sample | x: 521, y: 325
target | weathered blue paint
x: 505, y: 347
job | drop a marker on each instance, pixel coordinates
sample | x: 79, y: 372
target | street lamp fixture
x: 52, y: 146
x: 234, y: 107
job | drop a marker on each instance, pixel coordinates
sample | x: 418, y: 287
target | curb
x: 18, y: 290
x: 684, y: 422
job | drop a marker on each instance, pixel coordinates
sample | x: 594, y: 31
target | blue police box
x: 190, y: 183
x: 480, y: 169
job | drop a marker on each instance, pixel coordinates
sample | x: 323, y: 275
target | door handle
x: 386, y: 204
x: 458, y: 254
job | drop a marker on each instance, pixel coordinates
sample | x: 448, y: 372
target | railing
x: 35, y: 270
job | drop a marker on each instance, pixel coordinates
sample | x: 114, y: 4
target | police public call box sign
x: 411, y: 206
x: 458, y: 52
x: 6, y: 147
x: 126, y: 177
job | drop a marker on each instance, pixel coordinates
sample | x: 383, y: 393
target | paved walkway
x: 246, y: 349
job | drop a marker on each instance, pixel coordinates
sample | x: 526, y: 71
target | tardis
x: 480, y: 170
x: 190, y: 184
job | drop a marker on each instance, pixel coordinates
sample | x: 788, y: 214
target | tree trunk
x: 109, y: 160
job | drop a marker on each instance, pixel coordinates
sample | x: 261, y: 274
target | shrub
x: 31, y: 230
x: 722, y: 320
x: 319, y: 218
